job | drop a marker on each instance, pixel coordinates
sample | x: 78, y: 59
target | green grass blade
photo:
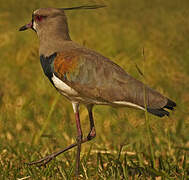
x: 45, y: 124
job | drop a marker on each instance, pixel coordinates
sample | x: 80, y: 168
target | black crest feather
x: 84, y: 7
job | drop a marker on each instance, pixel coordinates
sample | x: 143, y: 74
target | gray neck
x: 53, y: 38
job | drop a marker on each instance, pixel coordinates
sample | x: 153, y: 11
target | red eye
x: 39, y: 18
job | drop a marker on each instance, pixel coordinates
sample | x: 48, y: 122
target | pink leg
x: 79, y: 135
x: 91, y: 135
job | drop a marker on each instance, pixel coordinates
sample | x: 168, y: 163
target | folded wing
x: 98, y: 78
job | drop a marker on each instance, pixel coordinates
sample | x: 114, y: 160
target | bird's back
x: 95, y: 77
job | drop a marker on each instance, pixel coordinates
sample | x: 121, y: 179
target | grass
x: 35, y: 120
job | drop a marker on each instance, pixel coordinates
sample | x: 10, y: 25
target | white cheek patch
x: 34, y: 25
x: 35, y: 11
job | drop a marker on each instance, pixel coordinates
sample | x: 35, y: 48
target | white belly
x: 64, y: 88
x: 72, y: 94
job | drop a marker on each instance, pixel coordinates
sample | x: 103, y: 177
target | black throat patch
x: 47, y: 65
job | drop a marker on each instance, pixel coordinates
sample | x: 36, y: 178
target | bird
x: 84, y: 76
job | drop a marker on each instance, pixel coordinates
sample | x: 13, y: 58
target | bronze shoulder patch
x: 65, y: 62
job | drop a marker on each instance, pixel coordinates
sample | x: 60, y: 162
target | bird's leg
x: 91, y: 135
x: 79, y: 135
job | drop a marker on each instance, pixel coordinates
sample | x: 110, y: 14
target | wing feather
x: 96, y: 77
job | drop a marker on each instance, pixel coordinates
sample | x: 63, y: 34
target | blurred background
x: 35, y: 120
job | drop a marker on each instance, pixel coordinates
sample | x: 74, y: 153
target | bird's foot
x: 47, y: 159
x: 42, y: 161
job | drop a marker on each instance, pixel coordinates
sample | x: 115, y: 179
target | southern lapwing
x: 85, y: 76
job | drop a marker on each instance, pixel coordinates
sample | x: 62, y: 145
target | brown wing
x: 94, y: 76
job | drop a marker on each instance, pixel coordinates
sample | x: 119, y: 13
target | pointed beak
x: 27, y: 26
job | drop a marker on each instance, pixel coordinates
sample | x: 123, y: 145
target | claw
x: 42, y: 162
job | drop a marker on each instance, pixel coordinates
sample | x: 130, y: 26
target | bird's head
x: 52, y: 19
x: 47, y: 20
